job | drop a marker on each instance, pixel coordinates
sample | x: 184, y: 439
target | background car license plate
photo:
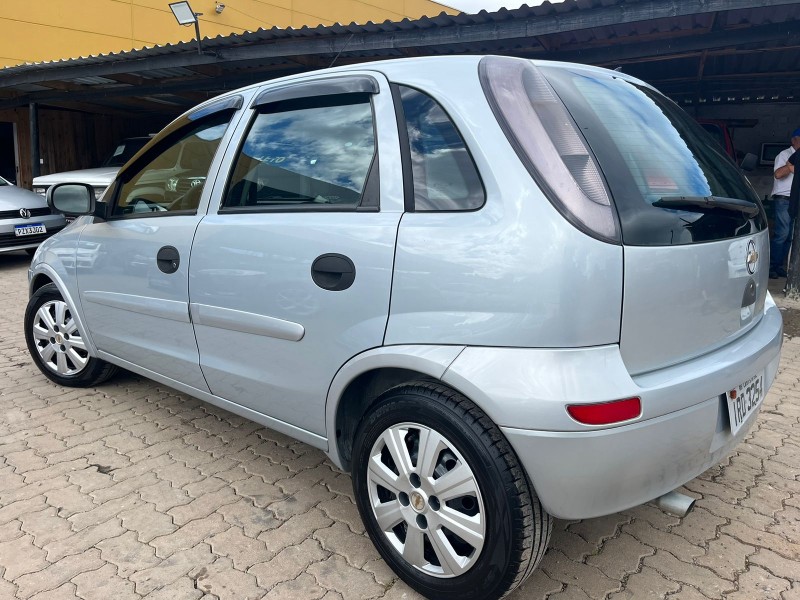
x: 32, y: 229
x: 744, y: 400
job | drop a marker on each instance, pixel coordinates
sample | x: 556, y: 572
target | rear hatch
x: 692, y: 227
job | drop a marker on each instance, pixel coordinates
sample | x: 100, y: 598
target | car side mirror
x: 749, y: 162
x: 71, y: 199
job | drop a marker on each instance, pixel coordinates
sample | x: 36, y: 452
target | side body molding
x: 154, y: 307
x: 245, y: 322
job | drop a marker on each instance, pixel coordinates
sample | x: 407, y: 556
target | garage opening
x: 8, y: 152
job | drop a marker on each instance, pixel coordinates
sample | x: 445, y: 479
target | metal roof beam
x: 219, y: 85
x: 786, y: 33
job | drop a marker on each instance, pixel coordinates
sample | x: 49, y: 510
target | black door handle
x: 333, y: 272
x: 168, y: 259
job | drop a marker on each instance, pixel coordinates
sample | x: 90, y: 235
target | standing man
x: 781, y: 188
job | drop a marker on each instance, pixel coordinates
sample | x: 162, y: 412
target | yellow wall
x: 42, y: 30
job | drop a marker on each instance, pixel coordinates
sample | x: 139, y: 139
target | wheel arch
x: 43, y: 275
x: 365, y: 377
x: 39, y: 281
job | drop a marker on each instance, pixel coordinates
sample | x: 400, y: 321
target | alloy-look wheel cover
x: 426, y: 500
x: 58, y: 340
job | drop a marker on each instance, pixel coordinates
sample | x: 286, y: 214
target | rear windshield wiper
x: 703, y: 203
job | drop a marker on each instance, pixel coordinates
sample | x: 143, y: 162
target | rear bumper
x: 590, y: 474
x: 581, y: 472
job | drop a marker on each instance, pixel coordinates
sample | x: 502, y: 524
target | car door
x: 291, y: 273
x: 133, y: 273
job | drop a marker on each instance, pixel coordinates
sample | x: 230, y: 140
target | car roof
x: 424, y: 67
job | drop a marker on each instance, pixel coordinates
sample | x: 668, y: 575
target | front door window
x: 173, y: 179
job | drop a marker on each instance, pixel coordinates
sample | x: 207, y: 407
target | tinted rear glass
x: 650, y: 150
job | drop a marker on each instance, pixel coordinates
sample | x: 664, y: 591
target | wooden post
x: 792, y: 288
x: 33, y: 116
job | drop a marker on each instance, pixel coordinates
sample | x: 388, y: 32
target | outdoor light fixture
x: 184, y: 15
x: 219, y: 8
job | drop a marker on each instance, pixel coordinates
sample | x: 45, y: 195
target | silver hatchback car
x: 494, y: 290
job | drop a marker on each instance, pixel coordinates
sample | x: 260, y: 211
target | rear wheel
x: 443, y: 496
x: 56, y: 344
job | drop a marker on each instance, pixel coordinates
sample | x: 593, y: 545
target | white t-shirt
x: 782, y: 187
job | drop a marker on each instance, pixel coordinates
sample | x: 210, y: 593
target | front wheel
x: 56, y: 344
x: 443, y: 496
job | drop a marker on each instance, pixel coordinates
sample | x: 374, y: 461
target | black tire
x: 93, y: 372
x: 516, y: 527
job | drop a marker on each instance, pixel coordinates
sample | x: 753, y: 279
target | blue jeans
x: 781, y: 237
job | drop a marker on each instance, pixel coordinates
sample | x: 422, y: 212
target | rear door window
x: 305, y: 154
x: 445, y: 177
x: 671, y: 182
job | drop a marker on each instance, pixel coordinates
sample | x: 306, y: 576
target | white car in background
x: 99, y: 178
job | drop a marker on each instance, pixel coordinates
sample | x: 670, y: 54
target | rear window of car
x: 652, y: 153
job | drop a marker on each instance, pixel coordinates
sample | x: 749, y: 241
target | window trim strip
x: 328, y: 86
x: 405, y: 149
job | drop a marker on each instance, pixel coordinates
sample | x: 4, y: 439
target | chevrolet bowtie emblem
x: 752, y: 257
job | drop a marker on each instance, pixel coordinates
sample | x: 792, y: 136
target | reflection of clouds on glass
x: 660, y: 160
x: 331, y: 144
x: 213, y: 133
x: 446, y: 193
x: 444, y: 175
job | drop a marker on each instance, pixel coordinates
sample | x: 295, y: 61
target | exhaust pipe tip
x: 675, y: 503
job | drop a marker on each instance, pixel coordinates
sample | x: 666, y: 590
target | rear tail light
x: 548, y: 142
x: 606, y: 413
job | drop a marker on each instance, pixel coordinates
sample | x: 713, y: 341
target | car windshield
x: 671, y: 181
x: 125, y: 151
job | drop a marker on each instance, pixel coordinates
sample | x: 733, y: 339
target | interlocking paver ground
x: 133, y: 490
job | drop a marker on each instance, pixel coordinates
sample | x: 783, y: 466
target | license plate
x: 33, y: 229
x: 744, y: 400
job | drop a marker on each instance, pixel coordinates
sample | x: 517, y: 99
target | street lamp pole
x: 197, y: 33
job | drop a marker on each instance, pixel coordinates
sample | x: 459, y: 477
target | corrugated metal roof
x: 658, y: 40
x: 92, y: 80
x: 274, y: 34
x: 165, y: 73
